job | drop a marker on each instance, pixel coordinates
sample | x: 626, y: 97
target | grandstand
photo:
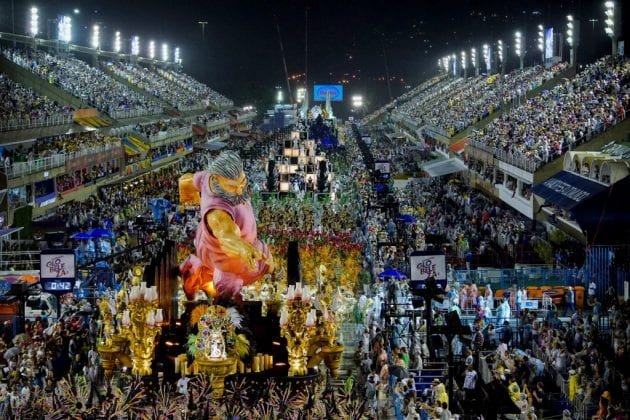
x: 69, y: 126
x: 539, y: 115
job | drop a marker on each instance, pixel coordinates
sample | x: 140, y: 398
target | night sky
x: 239, y: 55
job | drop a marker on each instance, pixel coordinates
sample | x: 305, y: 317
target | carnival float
x: 260, y: 296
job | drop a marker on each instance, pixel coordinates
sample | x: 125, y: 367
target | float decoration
x: 217, y: 346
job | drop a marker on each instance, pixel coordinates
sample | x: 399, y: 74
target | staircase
x: 423, y: 379
x: 350, y: 344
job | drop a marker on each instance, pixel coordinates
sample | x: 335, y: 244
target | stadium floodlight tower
x: 117, y: 44
x: 613, y: 23
x: 463, y: 62
x: 454, y: 59
x: 176, y: 57
x: 33, y: 23
x: 165, y: 52
x: 474, y: 60
x: 500, y: 55
x: 152, y: 50
x: 445, y: 63
x: 573, y: 38
x: 95, y: 42
x: 519, y: 47
x: 357, y: 102
x: 541, y: 41
x: 135, y: 46
x: 64, y: 29
x: 487, y: 58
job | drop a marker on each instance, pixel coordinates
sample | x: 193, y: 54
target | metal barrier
x: 501, y: 278
x: 24, y: 124
x: 133, y: 113
x: 529, y: 164
x: 18, y: 169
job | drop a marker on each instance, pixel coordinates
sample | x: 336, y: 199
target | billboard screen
x: 425, y: 264
x: 548, y: 43
x: 320, y: 92
x: 57, y: 264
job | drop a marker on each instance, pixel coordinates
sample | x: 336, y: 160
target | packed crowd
x: 157, y: 86
x: 20, y: 105
x: 161, y: 128
x: 67, y: 182
x: 555, y: 121
x: 405, y: 97
x: 195, y: 88
x: 481, y: 96
x: 450, y: 106
x: 544, y: 363
x: 83, y: 81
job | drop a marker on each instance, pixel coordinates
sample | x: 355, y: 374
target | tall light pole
x: 117, y: 44
x: 151, y: 50
x: 473, y: 60
x: 541, y: 42
x: 519, y: 47
x: 165, y: 52
x: 96, y: 37
x: 64, y: 29
x: 500, y: 55
x: 463, y: 57
x: 176, y: 58
x: 33, y: 26
x: 203, y: 24
x: 613, y: 23
x: 454, y: 60
x: 487, y: 58
x: 135, y: 45
x: 573, y: 38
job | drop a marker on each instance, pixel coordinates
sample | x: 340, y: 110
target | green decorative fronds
x: 192, y: 344
x: 241, y: 347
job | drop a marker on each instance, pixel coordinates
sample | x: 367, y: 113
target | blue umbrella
x: 392, y: 273
x: 99, y: 233
x: 81, y: 235
x: 407, y: 218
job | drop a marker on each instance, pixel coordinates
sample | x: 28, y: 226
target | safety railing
x: 24, y: 124
x: 194, y: 107
x: 18, y: 169
x: 134, y: 113
x: 163, y: 135
x: 530, y: 164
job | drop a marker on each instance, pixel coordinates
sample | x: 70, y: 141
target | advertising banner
x: 425, y: 264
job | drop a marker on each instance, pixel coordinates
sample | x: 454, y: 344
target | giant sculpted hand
x: 228, y: 253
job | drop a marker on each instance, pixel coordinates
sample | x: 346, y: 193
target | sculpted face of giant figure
x: 228, y: 253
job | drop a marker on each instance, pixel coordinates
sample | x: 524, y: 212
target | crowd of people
x: 481, y: 96
x: 195, y: 88
x: 55, y: 145
x: 90, y: 84
x: 558, y: 120
x: 21, y: 106
x: 157, y: 86
x: 452, y: 105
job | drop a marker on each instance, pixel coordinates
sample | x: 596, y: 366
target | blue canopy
x: 567, y: 190
x: 392, y: 273
x: 99, y: 233
x: 81, y: 235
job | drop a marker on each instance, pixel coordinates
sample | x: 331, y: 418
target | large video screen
x: 321, y: 91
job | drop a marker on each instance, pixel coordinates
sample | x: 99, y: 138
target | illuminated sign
x: 320, y: 92
x: 425, y: 264
x: 56, y: 265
